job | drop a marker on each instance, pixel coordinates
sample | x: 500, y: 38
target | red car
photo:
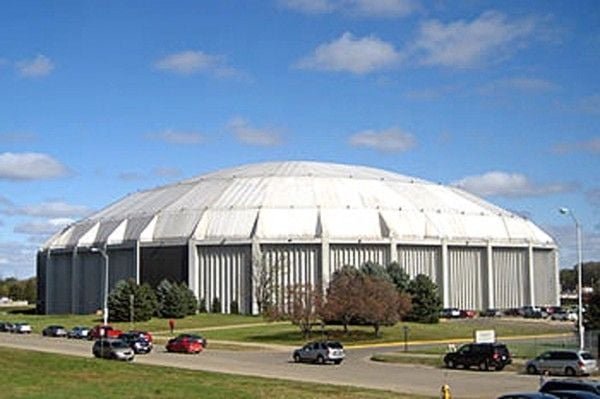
x: 467, y: 314
x: 103, y: 331
x: 184, y: 344
x: 142, y: 334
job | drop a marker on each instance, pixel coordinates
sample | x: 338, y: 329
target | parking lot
x: 356, y: 370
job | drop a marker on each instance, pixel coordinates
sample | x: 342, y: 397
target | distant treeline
x: 19, y: 290
x: 590, y: 276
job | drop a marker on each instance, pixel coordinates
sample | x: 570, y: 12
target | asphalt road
x: 357, y: 369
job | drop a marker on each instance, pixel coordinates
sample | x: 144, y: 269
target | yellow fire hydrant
x: 445, y: 392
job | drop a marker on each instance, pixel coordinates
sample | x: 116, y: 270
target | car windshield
x: 119, y: 344
x: 587, y: 356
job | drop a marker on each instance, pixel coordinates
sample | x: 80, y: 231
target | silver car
x: 568, y: 362
x: 113, y: 349
x: 320, y: 352
x: 78, y: 332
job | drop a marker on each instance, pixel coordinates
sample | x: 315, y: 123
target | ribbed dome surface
x: 300, y: 201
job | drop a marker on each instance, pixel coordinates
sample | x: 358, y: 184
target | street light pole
x: 567, y: 211
x: 102, y: 252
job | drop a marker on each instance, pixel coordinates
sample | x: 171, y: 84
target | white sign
x: 485, y: 336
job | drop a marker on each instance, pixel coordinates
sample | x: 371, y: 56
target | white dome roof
x: 301, y: 201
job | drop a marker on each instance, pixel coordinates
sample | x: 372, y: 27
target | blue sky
x: 99, y: 99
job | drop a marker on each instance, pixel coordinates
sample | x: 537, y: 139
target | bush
x: 119, y: 305
x: 215, y: 307
x: 175, y: 300
x: 234, y: 308
x: 202, y: 306
x: 398, y: 276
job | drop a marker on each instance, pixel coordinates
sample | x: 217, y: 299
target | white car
x: 21, y: 328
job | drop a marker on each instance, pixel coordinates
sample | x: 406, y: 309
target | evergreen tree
x: 234, y: 308
x: 215, y: 307
x: 172, y: 300
x: 189, y: 299
x: 119, y: 301
x: 426, y: 302
x: 202, y: 306
x: 592, y: 316
x: 398, y: 276
x: 374, y: 270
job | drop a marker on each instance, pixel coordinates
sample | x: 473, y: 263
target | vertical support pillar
x: 257, y: 263
x: 193, y: 268
x: 557, y: 287
x: 445, y: 275
x: 325, y: 263
x: 49, y: 270
x: 490, y: 277
x: 74, y: 282
x: 137, y: 255
x: 393, y: 250
x: 530, y: 275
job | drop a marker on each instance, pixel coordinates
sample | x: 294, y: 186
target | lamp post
x: 567, y: 211
x: 102, y: 251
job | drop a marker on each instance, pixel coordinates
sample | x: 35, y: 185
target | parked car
x: 54, y: 331
x: 483, y: 356
x: 575, y: 395
x: 137, y: 343
x: 184, y: 344
x: 103, y: 331
x: 201, y: 338
x: 21, y: 328
x: 78, y: 332
x: 491, y: 313
x: 568, y: 362
x: 556, y: 385
x: 527, y: 395
x: 564, y: 315
x: 142, y: 334
x: 450, y: 313
x: 320, y: 352
x: 5, y: 326
x: 112, y: 349
x: 467, y: 314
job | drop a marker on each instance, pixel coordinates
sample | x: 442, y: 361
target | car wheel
x: 450, y: 364
x: 570, y: 371
x: 339, y: 361
x: 297, y: 358
x: 531, y: 369
x: 320, y: 360
x: 500, y: 367
x: 483, y: 366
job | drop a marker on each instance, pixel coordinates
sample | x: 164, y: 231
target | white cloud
x: 513, y: 185
x: 52, y: 209
x: 42, y: 227
x: 131, y: 176
x: 36, y: 67
x: 167, y: 172
x: 522, y: 84
x: 264, y: 137
x: 466, y: 44
x: 362, y: 8
x: 15, y: 137
x: 175, y: 137
x: 388, y: 140
x: 191, y: 62
x: 350, y: 54
x: 592, y: 146
x: 17, y: 259
x: 30, y: 166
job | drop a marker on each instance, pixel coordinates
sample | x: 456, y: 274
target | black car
x: 6, y: 326
x: 483, y: 356
x: 556, y: 385
x: 136, y: 342
x: 54, y: 331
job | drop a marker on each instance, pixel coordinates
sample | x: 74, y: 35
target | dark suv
x: 484, y: 356
x: 571, y: 385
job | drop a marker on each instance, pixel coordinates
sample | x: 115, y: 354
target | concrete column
x: 74, y: 282
x: 257, y: 262
x: 137, y: 255
x: 490, y: 277
x: 393, y: 250
x: 557, y: 287
x: 49, y: 270
x: 325, y: 263
x: 445, y: 275
x: 193, y: 267
x: 530, y: 275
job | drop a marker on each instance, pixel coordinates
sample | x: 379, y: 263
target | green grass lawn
x: 199, y: 321
x: 27, y: 374
x: 454, y: 329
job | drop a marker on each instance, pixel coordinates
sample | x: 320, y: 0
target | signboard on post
x: 485, y: 336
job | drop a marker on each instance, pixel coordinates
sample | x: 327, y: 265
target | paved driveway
x: 357, y: 370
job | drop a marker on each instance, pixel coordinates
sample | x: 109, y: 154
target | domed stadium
x: 302, y: 221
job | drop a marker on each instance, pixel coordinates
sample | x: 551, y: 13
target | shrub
x: 119, y: 302
x: 234, y: 307
x: 215, y: 307
x: 426, y: 302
